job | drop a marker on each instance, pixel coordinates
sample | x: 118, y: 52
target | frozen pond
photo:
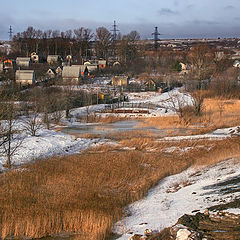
x: 104, y: 129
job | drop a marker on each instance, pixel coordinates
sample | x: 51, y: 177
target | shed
x: 236, y: 64
x: 8, y: 64
x: 23, y: 61
x: 53, y: 59
x: 34, y: 57
x: 120, y: 81
x: 91, y: 66
x: 183, y: 66
x: 59, y: 71
x: 116, y: 64
x: 74, y: 72
x: 102, y: 64
x: 25, y: 77
x: 151, y: 85
x: 51, y: 73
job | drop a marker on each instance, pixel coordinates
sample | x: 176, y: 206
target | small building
x: 150, y: 85
x: 23, y: 61
x: 8, y: 64
x: 1, y: 67
x: 25, y: 77
x: 92, y: 67
x: 69, y: 60
x: 116, y: 64
x: 74, y: 73
x: 51, y: 73
x: 58, y: 71
x: 51, y: 59
x: 34, y: 58
x: 183, y: 66
x: 236, y: 64
x: 122, y: 81
x: 102, y: 64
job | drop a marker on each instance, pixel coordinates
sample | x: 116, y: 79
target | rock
x: 183, y: 234
x: 136, y: 237
x: 206, y: 212
x: 175, y: 228
x: 195, y: 236
x: 148, y: 232
x: 220, y: 213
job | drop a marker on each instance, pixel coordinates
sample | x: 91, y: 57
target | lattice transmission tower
x: 156, y: 39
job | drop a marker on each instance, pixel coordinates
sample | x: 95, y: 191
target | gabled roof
x: 73, y: 71
x: 23, y: 59
x: 25, y: 75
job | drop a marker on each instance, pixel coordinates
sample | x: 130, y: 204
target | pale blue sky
x: 174, y: 18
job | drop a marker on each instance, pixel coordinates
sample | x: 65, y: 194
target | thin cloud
x: 190, y: 6
x: 205, y: 22
x: 167, y: 11
x: 229, y: 7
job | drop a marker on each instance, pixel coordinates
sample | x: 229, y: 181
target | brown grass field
x: 217, y: 113
x: 87, y: 193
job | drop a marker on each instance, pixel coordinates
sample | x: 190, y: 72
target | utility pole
x: 10, y: 33
x: 156, y: 39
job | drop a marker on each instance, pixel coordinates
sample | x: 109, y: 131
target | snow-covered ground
x: 191, y: 190
x: 217, y: 134
x: 166, y: 99
x: 47, y: 143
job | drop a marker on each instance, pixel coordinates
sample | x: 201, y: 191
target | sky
x: 174, y: 18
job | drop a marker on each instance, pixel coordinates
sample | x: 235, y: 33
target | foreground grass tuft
x: 87, y: 193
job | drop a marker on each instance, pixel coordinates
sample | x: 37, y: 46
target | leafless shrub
x: 187, y: 105
x: 32, y: 124
x: 225, y: 85
x: 197, y: 98
x: 10, y: 139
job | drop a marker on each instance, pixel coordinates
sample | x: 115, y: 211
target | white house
x: 51, y: 73
x: 25, y: 77
x: 91, y: 66
x: 74, y: 73
x: 23, y: 61
x: 59, y: 71
x: 53, y: 59
x: 34, y: 57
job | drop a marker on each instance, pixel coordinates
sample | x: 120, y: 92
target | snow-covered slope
x: 181, y: 194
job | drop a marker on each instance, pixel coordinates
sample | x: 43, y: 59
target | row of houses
x: 25, y: 62
x: 68, y: 73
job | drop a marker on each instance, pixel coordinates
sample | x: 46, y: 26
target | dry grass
x: 130, y: 134
x: 96, y: 118
x: 87, y: 193
x: 218, y: 113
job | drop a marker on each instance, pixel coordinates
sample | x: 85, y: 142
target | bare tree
x: 33, y: 123
x: 201, y: 58
x: 197, y: 98
x: 83, y: 37
x: 187, y: 106
x: 11, y: 138
x: 103, y: 42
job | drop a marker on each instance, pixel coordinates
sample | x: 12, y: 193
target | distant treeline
x: 81, y: 43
